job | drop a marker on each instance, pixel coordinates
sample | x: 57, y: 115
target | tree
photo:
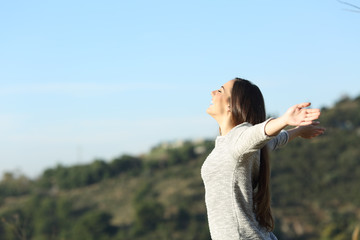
x: 125, y: 163
x: 148, y: 215
x: 94, y: 225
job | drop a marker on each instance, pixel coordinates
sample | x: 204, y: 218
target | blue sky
x: 81, y: 80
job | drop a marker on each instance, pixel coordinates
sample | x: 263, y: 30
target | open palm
x: 299, y: 115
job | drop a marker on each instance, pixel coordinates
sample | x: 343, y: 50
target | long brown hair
x: 247, y: 105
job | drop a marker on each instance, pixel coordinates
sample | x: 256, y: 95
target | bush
x: 148, y: 216
x: 94, y: 225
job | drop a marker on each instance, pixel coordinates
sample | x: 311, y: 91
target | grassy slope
x: 314, y: 183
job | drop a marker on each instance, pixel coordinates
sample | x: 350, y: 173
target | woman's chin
x: 209, y: 111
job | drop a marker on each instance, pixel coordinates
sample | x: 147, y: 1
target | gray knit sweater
x: 229, y: 173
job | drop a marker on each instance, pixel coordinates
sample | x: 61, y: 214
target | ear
x: 229, y: 103
x: 229, y: 108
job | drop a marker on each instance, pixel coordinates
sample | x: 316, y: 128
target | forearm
x: 274, y: 126
x: 293, y: 133
x: 279, y: 141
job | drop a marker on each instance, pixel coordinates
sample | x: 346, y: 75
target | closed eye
x: 222, y: 88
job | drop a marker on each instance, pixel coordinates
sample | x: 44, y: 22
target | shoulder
x: 248, y: 138
x: 236, y: 133
x: 238, y: 129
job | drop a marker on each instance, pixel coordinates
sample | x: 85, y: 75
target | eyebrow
x: 223, y: 88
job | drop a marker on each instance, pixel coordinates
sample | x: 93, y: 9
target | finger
x: 309, y: 121
x: 312, y: 110
x: 315, y: 123
x: 310, y: 118
x: 303, y: 105
x: 305, y: 123
x: 314, y: 115
x: 318, y: 132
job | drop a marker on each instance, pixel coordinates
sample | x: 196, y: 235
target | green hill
x: 160, y: 195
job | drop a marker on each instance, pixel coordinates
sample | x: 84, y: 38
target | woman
x: 236, y: 174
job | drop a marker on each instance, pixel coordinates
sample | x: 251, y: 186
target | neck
x: 225, y: 126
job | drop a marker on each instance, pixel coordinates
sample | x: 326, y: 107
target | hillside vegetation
x: 160, y: 195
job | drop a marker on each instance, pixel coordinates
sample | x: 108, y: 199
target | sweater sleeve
x: 251, y: 138
x: 279, y: 141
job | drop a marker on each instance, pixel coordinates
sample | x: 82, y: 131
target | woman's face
x: 220, y: 102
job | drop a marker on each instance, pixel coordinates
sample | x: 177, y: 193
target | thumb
x: 303, y: 105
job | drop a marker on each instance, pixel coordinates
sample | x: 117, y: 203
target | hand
x: 299, y: 115
x: 310, y: 131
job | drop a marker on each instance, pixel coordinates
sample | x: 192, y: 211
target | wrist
x: 297, y: 131
x: 294, y: 133
x: 282, y: 121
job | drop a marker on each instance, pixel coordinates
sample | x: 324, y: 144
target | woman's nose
x: 212, y: 93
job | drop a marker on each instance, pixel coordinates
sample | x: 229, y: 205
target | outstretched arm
x: 285, y: 136
x: 297, y: 115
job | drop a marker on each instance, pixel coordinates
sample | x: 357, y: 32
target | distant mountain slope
x: 160, y: 195
x: 316, y: 190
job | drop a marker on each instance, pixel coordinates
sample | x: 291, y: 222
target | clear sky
x: 81, y: 80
